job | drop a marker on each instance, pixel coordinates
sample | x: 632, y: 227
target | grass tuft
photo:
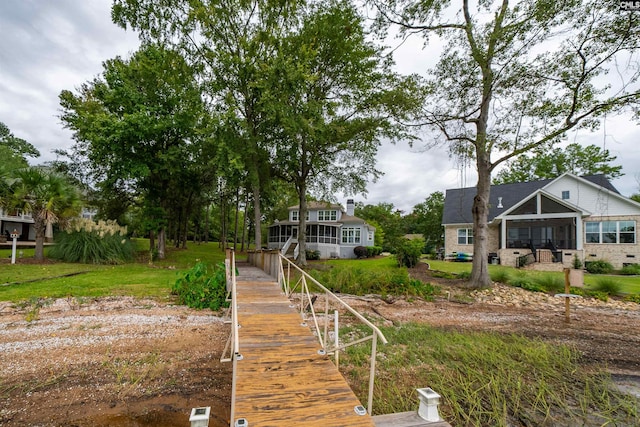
x: 488, y: 379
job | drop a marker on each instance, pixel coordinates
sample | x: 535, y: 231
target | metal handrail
x: 284, y: 279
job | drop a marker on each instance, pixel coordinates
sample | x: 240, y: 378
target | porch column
x: 579, y: 233
x: 503, y: 234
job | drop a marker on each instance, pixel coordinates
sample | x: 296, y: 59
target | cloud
x: 49, y: 46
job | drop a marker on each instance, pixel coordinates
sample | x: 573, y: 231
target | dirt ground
x: 128, y: 362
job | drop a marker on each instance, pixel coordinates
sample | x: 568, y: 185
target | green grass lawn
x: 135, y: 279
x: 629, y: 284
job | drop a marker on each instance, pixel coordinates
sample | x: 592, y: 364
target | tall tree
x: 138, y: 126
x: 232, y: 42
x: 518, y: 74
x: 13, y: 150
x: 427, y: 219
x: 331, y: 98
x: 387, y: 218
x: 547, y: 164
x: 48, y: 196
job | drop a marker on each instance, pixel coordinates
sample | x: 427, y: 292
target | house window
x: 351, y: 235
x: 610, y: 232
x: 465, y: 236
x: 370, y: 235
x: 327, y: 215
x: 295, y: 216
x: 566, y: 195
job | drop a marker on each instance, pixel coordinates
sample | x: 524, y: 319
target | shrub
x: 203, y: 286
x: 550, y: 283
x: 86, y: 241
x: 633, y: 298
x: 598, y: 267
x: 630, y: 270
x: 312, y: 255
x: 501, y: 276
x: 608, y: 285
x: 523, y: 281
x: 577, y: 264
x: 408, y: 252
x: 360, y: 251
x: 373, y: 251
x: 464, y: 275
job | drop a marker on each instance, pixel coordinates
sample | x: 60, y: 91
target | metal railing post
x: 372, y: 372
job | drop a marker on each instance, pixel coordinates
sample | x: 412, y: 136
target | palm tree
x: 48, y: 196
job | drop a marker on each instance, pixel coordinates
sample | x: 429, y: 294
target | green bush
x: 88, y: 242
x: 550, y: 282
x: 360, y: 251
x: 577, y: 264
x: 464, y: 275
x: 408, y: 252
x: 360, y: 281
x: 373, y: 251
x: 598, y: 267
x: 500, y: 276
x: 312, y: 255
x: 204, y: 286
x: 608, y: 285
x: 630, y: 270
x: 633, y: 298
x: 521, y: 280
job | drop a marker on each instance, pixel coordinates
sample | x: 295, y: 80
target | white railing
x: 231, y: 352
x: 287, y: 245
x: 274, y: 263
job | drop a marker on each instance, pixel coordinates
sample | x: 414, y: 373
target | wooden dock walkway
x: 282, y: 379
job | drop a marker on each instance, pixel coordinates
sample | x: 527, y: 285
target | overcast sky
x: 49, y: 46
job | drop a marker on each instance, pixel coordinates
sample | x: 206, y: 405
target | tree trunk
x: 302, y: 227
x: 162, y: 241
x: 480, y: 210
x: 39, y: 227
x: 223, y: 222
x: 206, y: 224
x: 235, y: 231
x: 257, y: 214
x: 152, y: 246
x: 244, y: 222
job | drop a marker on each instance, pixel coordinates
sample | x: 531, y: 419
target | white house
x: 549, y: 221
x: 331, y: 230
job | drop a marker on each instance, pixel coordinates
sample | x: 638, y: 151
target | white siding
x: 598, y: 201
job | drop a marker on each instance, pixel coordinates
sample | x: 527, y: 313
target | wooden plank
x: 281, y: 379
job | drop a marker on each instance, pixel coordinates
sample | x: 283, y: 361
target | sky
x: 50, y: 46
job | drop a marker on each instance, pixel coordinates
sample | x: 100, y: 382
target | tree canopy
x: 330, y: 99
x: 48, y: 196
x: 516, y: 75
x: 548, y: 164
x: 13, y: 150
x: 140, y: 126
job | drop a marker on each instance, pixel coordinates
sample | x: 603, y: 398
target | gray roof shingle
x: 459, y: 201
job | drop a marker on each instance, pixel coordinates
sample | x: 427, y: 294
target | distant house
x: 330, y: 229
x: 23, y: 223
x: 549, y: 221
x: 18, y: 221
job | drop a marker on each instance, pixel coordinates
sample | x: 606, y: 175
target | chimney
x: 350, y: 207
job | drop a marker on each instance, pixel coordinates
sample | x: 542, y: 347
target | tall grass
x: 359, y: 280
x: 88, y: 242
x: 487, y: 379
x: 608, y: 285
